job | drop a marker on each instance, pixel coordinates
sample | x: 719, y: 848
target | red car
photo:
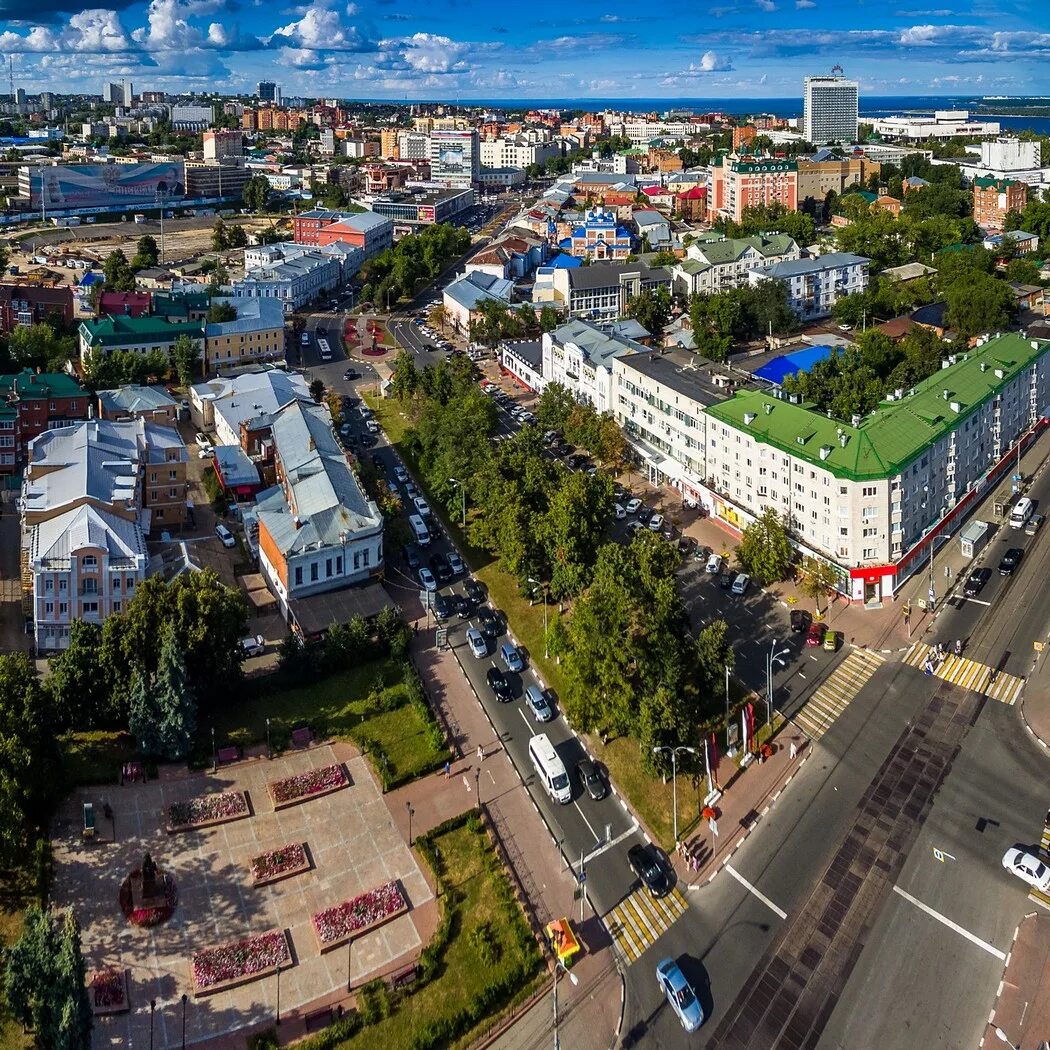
x: 815, y: 634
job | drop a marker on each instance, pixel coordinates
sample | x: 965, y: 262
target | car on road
x: 815, y: 635
x: 476, y: 640
x: 371, y: 426
x: 368, y: 440
x: 591, y: 780
x: 489, y: 622
x: 619, y: 512
x: 800, y: 621
x: 474, y: 591
x: 714, y: 564
x: 321, y: 330
x: 1033, y: 524
x: 225, y: 536
x: 439, y: 567
x: 1011, y: 559
x: 975, y: 582
x: 537, y: 702
x: 201, y: 439
x: 831, y: 641
x: 725, y: 580
x: 1028, y: 867
x: 497, y: 682
x: 401, y: 474
x: 442, y: 607
x: 205, y: 452
x: 412, y: 556
x: 351, y: 373
x: 679, y: 993
x: 253, y: 645
x: 365, y: 412
x: 455, y: 563
x: 426, y: 577
x: 635, y: 526
x: 422, y: 507
x: 656, y: 523
x: 511, y: 656
x: 647, y: 867
x: 740, y: 584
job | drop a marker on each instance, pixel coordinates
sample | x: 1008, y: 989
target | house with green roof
x: 872, y: 495
x: 137, y: 334
x: 714, y: 262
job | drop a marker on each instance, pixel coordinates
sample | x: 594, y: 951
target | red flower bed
x: 336, y: 924
x: 304, y: 785
x: 271, y: 865
x: 108, y: 991
x: 207, y: 809
x: 237, y: 960
x: 153, y: 916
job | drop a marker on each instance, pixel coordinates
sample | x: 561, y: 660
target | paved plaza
x: 354, y: 846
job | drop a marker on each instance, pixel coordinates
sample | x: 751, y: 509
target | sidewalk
x: 1022, y: 1010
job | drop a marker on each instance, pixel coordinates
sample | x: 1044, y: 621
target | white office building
x: 455, y: 159
x: 516, y: 151
x: 944, y: 124
x: 296, y: 274
x: 191, y: 118
x: 815, y: 285
x: 830, y: 110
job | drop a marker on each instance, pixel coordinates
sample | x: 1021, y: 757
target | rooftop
x: 124, y: 331
x: 253, y: 315
x: 476, y: 286
x: 800, y: 267
x: 598, y: 345
x: 683, y: 372
x: 133, y: 399
x: 27, y: 385
x: 899, y: 430
x: 714, y: 249
x: 609, y: 275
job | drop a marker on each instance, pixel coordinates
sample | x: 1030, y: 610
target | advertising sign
x: 425, y: 213
x: 104, y: 185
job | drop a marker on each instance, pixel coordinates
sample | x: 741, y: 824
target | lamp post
x: 184, y: 999
x: 277, y: 1018
x: 544, y: 586
x: 349, y: 959
x: 269, y: 749
x: 411, y: 812
x: 1003, y: 1037
x: 727, y: 708
x: 152, y: 1009
x: 674, y: 779
x: 559, y: 965
x: 462, y: 498
x: 771, y: 658
x: 477, y: 785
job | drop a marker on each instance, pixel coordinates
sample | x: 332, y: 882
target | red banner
x: 749, y: 711
x: 712, y: 753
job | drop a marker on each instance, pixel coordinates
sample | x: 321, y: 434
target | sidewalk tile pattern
x: 1044, y: 851
x: 969, y: 674
x: 638, y: 920
x: 833, y: 696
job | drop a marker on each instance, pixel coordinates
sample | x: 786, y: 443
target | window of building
x: 843, y: 530
x: 315, y: 572
x: 868, y: 490
x: 49, y: 608
x: 116, y: 606
x: 90, y: 607
x: 868, y: 552
x: 89, y: 562
x: 298, y: 575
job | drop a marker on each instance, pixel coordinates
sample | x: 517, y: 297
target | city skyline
x: 396, y: 49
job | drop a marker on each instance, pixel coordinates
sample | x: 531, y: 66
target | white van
x: 550, y: 768
x: 1021, y: 513
x: 419, y: 528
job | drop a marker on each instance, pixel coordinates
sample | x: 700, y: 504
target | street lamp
x: 277, y: 1018
x: 269, y: 749
x: 558, y: 964
x: 1003, y: 1037
x: 214, y: 753
x: 674, y: 779
x: 771, y: 658
x: 184, y: 998
x: 538, y: 584
x: 411, y: 812
x: 152, y: 1009
x: 462, y: 498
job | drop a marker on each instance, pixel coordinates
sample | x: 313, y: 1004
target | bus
x: 324, y: 349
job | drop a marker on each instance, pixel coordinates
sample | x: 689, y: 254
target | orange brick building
x: 994, y: 198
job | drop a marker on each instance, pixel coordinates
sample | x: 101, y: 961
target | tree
x: 162, y: 711
x: 404, y: 377
x: 118, y: 273
x: 317, y: 390
x: 220, y: 276
x: 1023, y: 271
x: 185, y: 353
x: 256, y: 192
x: 980, y: 304
x: 765, y: 551
x: 80, y: 688
x: 220, y: 312
x: 549, y: 319
x: 236, y: 237
x: 651, y: 308
x: 39, y: 346
x: 220, y: 237
x: 818, y: 579
x: 146, y: 253
x: 573, y: 528
x: 554, y: 407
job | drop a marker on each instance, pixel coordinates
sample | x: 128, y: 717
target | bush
x: 486, y: 945
x: 265, y: 1040
x: 373, y: 1002
x: 214, y: 491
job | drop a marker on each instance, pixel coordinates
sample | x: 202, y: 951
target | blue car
x: 511, y: 656
x: 680, y: 995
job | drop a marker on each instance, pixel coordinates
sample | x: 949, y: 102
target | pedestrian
x: 481, y: 753
x: 794, y: 750
x: 448, y: 769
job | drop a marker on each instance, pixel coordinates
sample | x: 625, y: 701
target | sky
x: 462, y: 49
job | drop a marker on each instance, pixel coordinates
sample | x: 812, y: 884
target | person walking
x: 481, y: 754
x: 448, y: 769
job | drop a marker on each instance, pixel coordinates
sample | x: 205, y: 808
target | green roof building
x: 139, y: 334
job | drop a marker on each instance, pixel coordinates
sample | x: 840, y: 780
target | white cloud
x: 430, y: 53
x: 710, y: 62
x: 804, y: 5
x: 319, y: 29
x: 766, y: 5
x: 89, y: 32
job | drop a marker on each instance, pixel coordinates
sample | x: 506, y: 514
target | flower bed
x: 229, y: 965
x: 277, y: 864
x: 108, y: 991
x: 205, y: 811
x: 335, y: 926
x: 151, y: 916
x: 303, y: 786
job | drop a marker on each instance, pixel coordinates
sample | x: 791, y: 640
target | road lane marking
x: 976, y: 601
x: 576, y: 806
x: 972, y: 937
x: 756, y: 891
x: 588, y: 857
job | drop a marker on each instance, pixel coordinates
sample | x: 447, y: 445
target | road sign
x: 1038, y: 645
x: 581, y: 878
x: 441, y: 637
x: 932, y: 597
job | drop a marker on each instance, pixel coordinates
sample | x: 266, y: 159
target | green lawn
x: 472, y: 983
x: 95, y: 757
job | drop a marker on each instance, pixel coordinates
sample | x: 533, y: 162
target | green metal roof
x: 124, y: 331
x: 27, y: 385
x: 760, y: 164
x: 897, y: 432
x: 730, y: 249
x: 987, y: 182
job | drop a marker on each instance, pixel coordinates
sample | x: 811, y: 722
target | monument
x: 148, y: 896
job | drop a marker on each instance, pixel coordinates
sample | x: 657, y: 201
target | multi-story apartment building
x: 744, y: 182
x: 140, y: 335
x: 317, y: 530
x: 223, y: 145
x: 22, y: 305
x: 256, y: 334
x: 820, y: 175
x: 815, y: 285
x: 517, y: 151
x: 388, y: 144
x: 413, y: 145
x: 369, y: 232
x: 994, y: 199
x: 32, y: 403
x: 873, y: 496
x: 580, y: 356
x: 829, y: 110
x: 455, y: 159
x: 714, y: 263
x: 599, y: 291
x: 90, y: 495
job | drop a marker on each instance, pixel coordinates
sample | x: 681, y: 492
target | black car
x: 439, y: 567
x: 488, y: 622
x: 1011, y: 559
x: 442, y: 607
x: 411, y: 552
x: 975, y: 582
x: 646, y: 865
x: 461, y: 605
x: 474, y: 591
x: 499, y: 685
x: 725, y: 581
x: 377, y: 461
x: 351, y: 373
x: 590, y: 779
x: 800, y: 621
x: 368, y: 440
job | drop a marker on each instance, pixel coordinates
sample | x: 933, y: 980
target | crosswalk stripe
x: 969, y: 674
x: 1040, y: 898
x: 639, y: 920
x: 835, y: 694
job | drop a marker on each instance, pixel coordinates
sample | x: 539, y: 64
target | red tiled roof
x: 695, y: 193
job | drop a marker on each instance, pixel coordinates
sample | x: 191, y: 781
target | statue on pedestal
x: 149, y: 877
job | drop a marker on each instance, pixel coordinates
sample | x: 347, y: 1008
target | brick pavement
x: 1022, y: 1010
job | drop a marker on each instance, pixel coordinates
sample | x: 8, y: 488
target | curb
x: 1028, y: 726
x: 1002, y: 983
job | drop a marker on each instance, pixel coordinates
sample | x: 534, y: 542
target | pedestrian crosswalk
x: 1044, y: 853
x: 834, y: 694
x: 638, y: 920
x: 962, y: 671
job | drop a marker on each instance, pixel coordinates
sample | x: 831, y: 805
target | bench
x: 403, y: 978
x: 318, y: 1019
x: 229, y: 754
x: 303, y: 737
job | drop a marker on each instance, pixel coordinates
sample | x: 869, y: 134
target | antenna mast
x: 11, y: 72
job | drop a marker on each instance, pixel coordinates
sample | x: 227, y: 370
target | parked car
x: 474, y: 590
x: 205, y: 451
x: 455, y: 563
x: 351, y: 373
x: 831, y: 641
x: 511, y: 656
x: 635, y: 526
x: 714, y: 564
x: 537, y: 702
x: 646, y: 865
x: 489, y: 622
x: 225, y: 536
x: 679, y: 993
x: 725, y: 580
x: 1011, y: 559
x: 371, y: 426
x: 497, y: 682
x: 1028, y: 867
x: 202, y: 439
x: 439, y: 567
x: 740, y: 584
x: 401, y: 474
x: 618, y: 511
x: 412, y: 556
x: 591, y: 779
x: 975, y: 582
x: 815, y: 635
x: 656, y: 523
x: 253, y: 645
x: 1033, y: 524
x: 476, y: 640
x: 426, y: 577
x: 800, y: 621
x: 442, y: 606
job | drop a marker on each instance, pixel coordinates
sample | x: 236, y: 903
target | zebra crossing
x: 638, y: 920
x: 835, y: 693
x: 969, y: 674
x: 1044, y: 854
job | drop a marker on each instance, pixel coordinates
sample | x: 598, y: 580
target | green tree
x: 651, y: 309
x: 1023, y: 271
x: 80, y: 688
x: 118, y: 273
x: 980, y: 304
x: 162, y: 712
x: 71, y: 996
x: 256, y: 192
x: 818, y: 579
x: 765, y: 550
x: 317, y: 389
x: 146, y: 253
x: 573, y: 528
x: 220, y: 236
x: 549, y: 319
x: 40, y: 346
x: 404, y: 377
x: 220, y: 312
x: 185, y: 353
x: 220, y: 277
x: 554, y: 407
x: 236, y: 237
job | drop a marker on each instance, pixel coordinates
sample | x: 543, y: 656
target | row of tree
x: 397, y: 272
x: 739, y: 314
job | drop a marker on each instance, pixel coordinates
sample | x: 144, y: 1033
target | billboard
x: 104, y: 185
x: 425, y: 213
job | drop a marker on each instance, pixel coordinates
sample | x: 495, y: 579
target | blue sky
x: 449, y: 49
